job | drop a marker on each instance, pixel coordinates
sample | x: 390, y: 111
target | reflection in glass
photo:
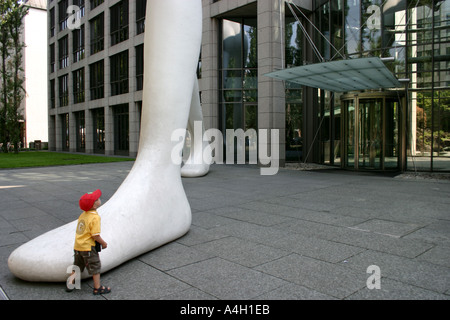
x: 349, y: 108
x: 293, y: 92
x: 391, y: 152
x: 371, y: 31
x: 239, y: 78
x: 370, y: 133
x: 352, y: 18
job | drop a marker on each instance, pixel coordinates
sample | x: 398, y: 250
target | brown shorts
x: 89, y: 260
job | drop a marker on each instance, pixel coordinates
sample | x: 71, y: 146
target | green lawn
x: 44, y: 158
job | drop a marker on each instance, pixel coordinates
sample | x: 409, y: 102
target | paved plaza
x: 297, y: 235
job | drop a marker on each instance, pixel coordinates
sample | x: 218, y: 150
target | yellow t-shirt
x: 88, y: 226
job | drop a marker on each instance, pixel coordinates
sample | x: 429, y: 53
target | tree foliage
x: 12, y: 90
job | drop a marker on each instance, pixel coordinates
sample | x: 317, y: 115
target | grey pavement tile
x: 336, y: 280
x: 317, y: 248
x: 329, y: 218
x: 35, y: 226
x: 252, y: 216
x: 253, y: 232
x: 198, y: 235
x: 272, y: 208
x: 189, y: 294
x: 313, y: 229
x: 411, y: 271
x: 12, y: 237
x: 243, y: 252
x: 137, y: 280
x: 362, y: 212
x: 16, y: 289
x: 305, y: 203
x: 437, y: 232
x: 383, y: 243
x: 208, y: 220
x: 293, y: 291
x: 439, y: 255
x: 290, y: 236
x: 173, y: 255
x: 395, y: 290
x: 386, y: 227
x: 226, y: 280
x: 22, y: 213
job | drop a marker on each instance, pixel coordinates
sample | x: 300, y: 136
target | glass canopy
x: 342, y: 75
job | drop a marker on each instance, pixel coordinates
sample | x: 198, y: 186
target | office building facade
x: 96, y: 60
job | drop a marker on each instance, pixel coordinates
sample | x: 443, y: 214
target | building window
x: 139, y: 67
x: 119, y: 22
x: 96, y: 3
x: 65, y: 142
x: 141, y: 6
x: 80, y: 5
x: 62, y: 14
x: 63, y: 50
x: 119, y: 73
x: 52, y: 22
x: 78, y: 44
x: 78, y: 86
x: 121, y: 129
x: 97, y: 80
x: 52, y: 94
x: 80, y: 123
x: 52, y: 58
x: 63, y: 90
x: 239, y: 74
x: 98, y: 117
x: 97, y: 26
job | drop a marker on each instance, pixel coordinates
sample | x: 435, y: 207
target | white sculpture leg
x: 197, y: 164
x: 150, y: 208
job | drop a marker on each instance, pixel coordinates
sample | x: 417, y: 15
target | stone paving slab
x: 298, y: 235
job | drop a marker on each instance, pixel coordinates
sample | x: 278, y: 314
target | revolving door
x: 373, y: 131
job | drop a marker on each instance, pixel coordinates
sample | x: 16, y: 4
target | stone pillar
x: 134, y: 126
x: 271, y: 93
x: 109, y: 131
x: 209, y: 69
x: 89, y: 134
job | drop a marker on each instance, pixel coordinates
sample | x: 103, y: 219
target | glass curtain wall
x: 294, y: 95
x: 239, y: 77
x: 428, y: 31
x: 333, y: 43
x: 417, y: 34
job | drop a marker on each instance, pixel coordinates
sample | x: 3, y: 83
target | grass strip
x: 44, y: 158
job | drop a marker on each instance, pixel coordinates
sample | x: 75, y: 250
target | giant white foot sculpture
x: 198, y: 160
x: 150, y: 208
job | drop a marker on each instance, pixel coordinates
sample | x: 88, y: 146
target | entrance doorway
x: 373, y: 131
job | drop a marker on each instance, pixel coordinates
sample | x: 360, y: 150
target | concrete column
x: 109, y: 131
x: 134, y: 126
x: 271, y: 93
x: 89, y: 125
x: 73, y: 131
x: 58, y: 130
x: 209, y: 72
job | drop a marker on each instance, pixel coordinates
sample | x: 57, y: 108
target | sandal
x: 102, y: 290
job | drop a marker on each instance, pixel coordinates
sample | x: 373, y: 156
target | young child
x: 87, y: 234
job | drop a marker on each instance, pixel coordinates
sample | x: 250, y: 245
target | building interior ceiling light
x: 342, y: 75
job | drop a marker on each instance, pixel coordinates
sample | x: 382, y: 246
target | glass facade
x: 416, y: 35
x: 294, y: 38
x: 406, y: 128
x: 239, y: 76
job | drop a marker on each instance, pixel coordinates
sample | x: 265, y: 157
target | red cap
x: 87, y: 200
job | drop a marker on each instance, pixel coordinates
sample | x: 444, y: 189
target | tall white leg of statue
x: 198, y: 161
x: 150, y: 208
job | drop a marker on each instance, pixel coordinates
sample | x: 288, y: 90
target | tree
x: 12, y: 90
